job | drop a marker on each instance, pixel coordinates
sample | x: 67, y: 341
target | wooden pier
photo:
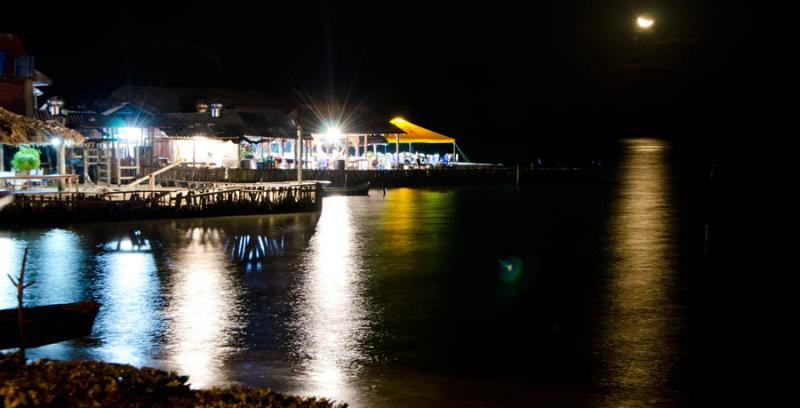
x: 213, y: 201
x: 184, y: 176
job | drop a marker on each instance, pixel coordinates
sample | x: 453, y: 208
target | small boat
x: 6, y: 198
x: 361, y: 189
x: 48, y: 324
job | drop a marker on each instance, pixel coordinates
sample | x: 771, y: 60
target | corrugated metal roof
x: 358, y: 121
x: 168, y: 99
x: 231, y: 123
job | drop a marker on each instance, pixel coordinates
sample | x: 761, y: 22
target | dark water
x: 576, y: 293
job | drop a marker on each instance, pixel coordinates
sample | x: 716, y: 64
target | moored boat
x: 361, y: 189
x: 48, y: 324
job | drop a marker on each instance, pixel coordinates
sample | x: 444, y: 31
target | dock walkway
x: 210, y: 200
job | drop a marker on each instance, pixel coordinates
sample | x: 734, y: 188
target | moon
x: 644, y: 22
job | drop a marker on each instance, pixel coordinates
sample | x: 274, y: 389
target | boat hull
x: 362, y: 189
x: 48, y: 324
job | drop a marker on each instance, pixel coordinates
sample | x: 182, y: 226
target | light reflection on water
x: 389, y: 300
x: 128, y: 289
x: 331, y: 317
x: 55, y: 263
x: 639, y: 320
x: 202, y: 308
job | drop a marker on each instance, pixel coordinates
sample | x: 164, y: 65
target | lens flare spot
x: 510, y: 269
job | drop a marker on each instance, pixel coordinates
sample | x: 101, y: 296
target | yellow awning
x: 417, y: 134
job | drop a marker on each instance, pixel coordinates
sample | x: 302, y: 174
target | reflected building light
x: 57, y: 275
x: 10, y: 259
x: 203, y: 311
x: 133, y: 242
x: 129, y: 320
x: 253, y: 249
x: 332, y: 320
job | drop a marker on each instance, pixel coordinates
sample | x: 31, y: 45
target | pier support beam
x: 62, y: 164
x: 397, y: 150
x: 366, y: 150
x: 298, y: 157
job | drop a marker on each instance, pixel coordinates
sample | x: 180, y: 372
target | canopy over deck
x: 418, y: 134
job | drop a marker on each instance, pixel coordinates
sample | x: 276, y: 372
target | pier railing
x: 188, y: 176
x: 151, y: 204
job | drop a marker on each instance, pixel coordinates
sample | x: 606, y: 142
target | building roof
x: 232, y: 124
x: 418, y: 134
x: 17, y: 129
x: 167, y: 99
x: 75, y: 119
x: 359, y: 121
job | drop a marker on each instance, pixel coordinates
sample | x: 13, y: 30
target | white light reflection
x: 203, y: 310
x: 332, y: 321
x: 54, y: 262
x: 641, y: 323
x: 128, y: 321
x: 10, y: 258
x: 57, y: 260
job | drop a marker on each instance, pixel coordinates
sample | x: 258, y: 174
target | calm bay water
x: 575, y: 293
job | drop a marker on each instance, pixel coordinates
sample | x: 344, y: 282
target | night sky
x: 517, y: 73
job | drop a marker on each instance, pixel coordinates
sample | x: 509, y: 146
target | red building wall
x: 12, y: 96
x: 12, y: 90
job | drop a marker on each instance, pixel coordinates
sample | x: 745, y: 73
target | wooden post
x: 298, y: 156
x: 136, y: 155
x: 62, y: 163
x: 366, y: 150
x: 20, y: 284
x: 397, y: 150
x: 119, y: 163
x: 85, y: 165
x: 358, y: 149
x: 2, y: 159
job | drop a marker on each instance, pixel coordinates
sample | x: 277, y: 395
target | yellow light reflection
x: 203, y: 310
x: 410, y: 212
x: 333, y: 318
x: 640, y: 321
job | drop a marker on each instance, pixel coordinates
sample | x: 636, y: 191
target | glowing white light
x: 130, y: 134
x: 333, y: 134
x: 56, y: 141
x: 645, y: 22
